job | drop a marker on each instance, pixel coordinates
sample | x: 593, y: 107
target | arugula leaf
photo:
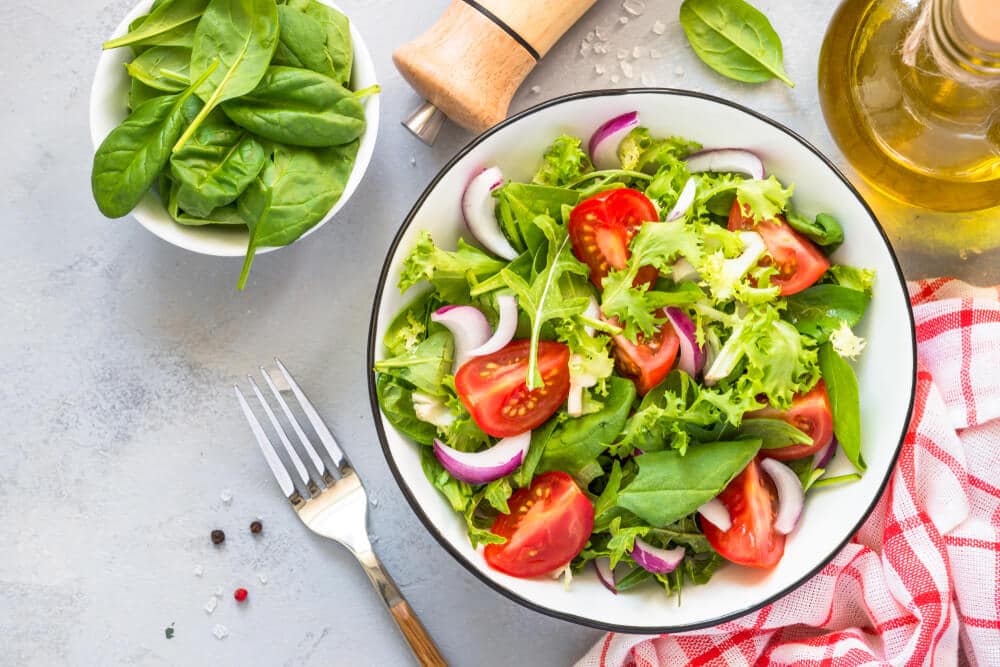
x: 824, y: 231
x: 425, y: 366
x: 576, y: 443
x: 541, y: 299
x: 773, y: 433
x: 852, y: 278
x: 451, y: 273
x: 623, y: 540
x: 640, y: 151
x: 819, y: 310
x: 609, y: 496
x: 766, y: 198
x: 670, y: 486
x: 842, y: 386
x: 734, y: 39
x: 564, y: 161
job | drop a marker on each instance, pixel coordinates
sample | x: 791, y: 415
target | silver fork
x: 334, y: 507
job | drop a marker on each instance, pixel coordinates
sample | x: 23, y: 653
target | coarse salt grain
x: 659, y: 27
x: 634, y: 7
x: 591, y: 36
x: 623, y: 20
x: 627, y: 69
x: 636, y: 52
x: 220, y: 631
x: 211, y: 604
x: 226, y: 496
x: 535, y: 90
x: 615, y: 78
x: 601, y: 33
x: 679, y: 70
x: 600, y: 49
x: 262, y: 578
x: 599, y: 69
x: 218, y: 592
x: 198, y: 570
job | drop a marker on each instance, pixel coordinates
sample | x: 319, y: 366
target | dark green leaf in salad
x: 734, y: 39
x: 820, y: 310
x: 842, y: 386
x: 823, y: 230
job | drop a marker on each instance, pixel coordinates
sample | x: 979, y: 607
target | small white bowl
x: 109, y: 107
x: 886, y: 370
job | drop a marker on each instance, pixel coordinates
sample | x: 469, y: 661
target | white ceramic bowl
x: 109, y: 107
x: 886, y: 372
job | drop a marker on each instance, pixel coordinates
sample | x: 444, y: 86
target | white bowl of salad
x: 627, y: 376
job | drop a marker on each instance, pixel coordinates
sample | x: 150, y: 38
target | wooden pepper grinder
x: 470, y: 63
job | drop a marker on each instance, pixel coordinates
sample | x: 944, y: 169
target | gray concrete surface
x: 118, y: 353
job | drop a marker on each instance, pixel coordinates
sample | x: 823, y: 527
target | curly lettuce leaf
x: 564, y: 161
x: 640, y: 151
x: 451, y: 273
x: 763, y: 199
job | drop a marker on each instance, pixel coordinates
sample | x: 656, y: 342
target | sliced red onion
x: 506, y: 327
x: 735, y: 160
x: 683, y: 270
x: 498, y: 461
x: 604, y: 142
x: 468, y: 326
x: 790, y: 494
x: 606, y: 574
x: 431, y: 409
x: 717, y: 513
x: 479, y: 211
x: 823, y: 456
x: 654, y: 559
x: 684, y: 201
x: 692, y: 357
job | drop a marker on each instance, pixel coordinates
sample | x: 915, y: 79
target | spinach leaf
x: 734, y: 39
x: 670, y: 486
x: 139, y: 92
x: 224, y: 215
x: 842, y: 386
x: 824, y: 230
x: 518, y: 204
x: 163, y: 24
x: 541, y: 298
x: 129, y: 160
x: 818, y: 311
x: 423, y: 367
x: 640, y: 151
x: 773, y: 433
x: 396, y: 402
x: 300, y: 108
x: 577, y: 443
x: 302, y: 42
x: 338, y: 35
x: 162, y: 67
x: 215, y: 166
x: 240, y: 37
x: 296, y: 188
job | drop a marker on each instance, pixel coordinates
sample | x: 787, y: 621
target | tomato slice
x: 811, y: 414
x: 751, y: 540
x: 494, y: 387
x: 647, y: 362
x: 602, y: 226
x: 798, y: 260
x: 549, y: 523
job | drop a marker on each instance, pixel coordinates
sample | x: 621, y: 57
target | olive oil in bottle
x: 910, y: 90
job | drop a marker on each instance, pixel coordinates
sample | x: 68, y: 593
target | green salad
x: 644, y: 363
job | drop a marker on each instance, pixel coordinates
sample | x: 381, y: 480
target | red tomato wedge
x: 648, y: 361
x: 549, y: 523
x: 811, y: 414
x: 798, y: 260
x: 494, y: 387
x: 751, y: 540
x: 602, y: 226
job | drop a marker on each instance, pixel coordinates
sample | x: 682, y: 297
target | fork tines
x: 282, y: 384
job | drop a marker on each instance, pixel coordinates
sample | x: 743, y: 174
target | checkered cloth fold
x: 919, y: 584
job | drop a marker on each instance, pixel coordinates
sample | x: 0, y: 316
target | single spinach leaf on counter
x: 396, y: 402
x: 296, y: 188
x: 818, y: 311
x: 299, y: 107
x: 425, y: 366
x: 577, y: 443
x: 338, y: 35
x: 130, y: 159
x: 162, y: 67
x: 824, y: 230
x: 670, y: 486
x: 302, y: 42
x: 842, y: 386
x: 234, y: 42
x: 163, y: 24
x: 734, y: 39
x: 773, y: 433
x: 215, y: 166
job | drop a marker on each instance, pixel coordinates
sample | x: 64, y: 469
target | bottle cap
x: 979, y: 22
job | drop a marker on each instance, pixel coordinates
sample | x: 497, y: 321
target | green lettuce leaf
x: 564, y: 161
x: 451, y: 273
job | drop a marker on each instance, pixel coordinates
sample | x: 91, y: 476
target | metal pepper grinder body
x: 471, y: 62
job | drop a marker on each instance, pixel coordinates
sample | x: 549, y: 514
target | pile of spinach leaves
x: 241, y: 114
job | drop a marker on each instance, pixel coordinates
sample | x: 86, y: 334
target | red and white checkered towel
x: 920, y: 582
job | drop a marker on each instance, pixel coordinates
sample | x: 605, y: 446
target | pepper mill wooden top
x: 471, y: 62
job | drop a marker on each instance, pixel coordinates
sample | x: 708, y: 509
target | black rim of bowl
x: 401, y: 482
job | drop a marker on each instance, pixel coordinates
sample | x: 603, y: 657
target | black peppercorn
x: 256, y: 527
x: 218, y: 537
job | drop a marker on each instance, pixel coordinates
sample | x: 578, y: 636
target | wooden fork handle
x: 420, y: 642
x: 423, y: 647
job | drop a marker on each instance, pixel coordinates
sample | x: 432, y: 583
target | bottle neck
x: 963, y: 36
